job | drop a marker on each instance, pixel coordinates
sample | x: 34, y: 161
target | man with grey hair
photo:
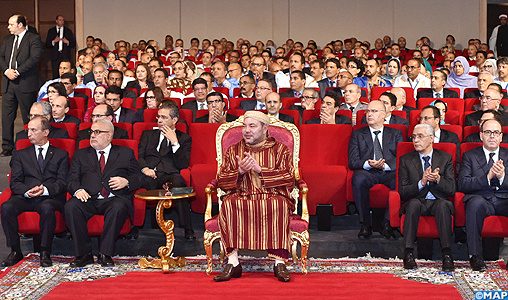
x: 426, y: 181
x: 400, y: 93
x: 101, y: 180
x: 352, y: 94
x: 43, y: 109
x: 308, y: 101
x: 485, y: 78
x: 100, y: 74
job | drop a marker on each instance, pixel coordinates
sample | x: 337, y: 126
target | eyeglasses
x: 427, y: 118
x: 31, y: 116
x: 488, y: 98
x: 372, y: 111
x: 256, y: 65
x: 97, y: 116
x: 214, y: 101
x: 419, y: 136
x: 245, y: 82
x: 162, y: 117
x: 495, y: 133
x: 412, y: 67
x: 487, y: 66
x: 200, y: 89
x: 264, y: 88
x: 96, y: 132
x: 52, y: 92
x: 150, y: 97
x: 309, y: 97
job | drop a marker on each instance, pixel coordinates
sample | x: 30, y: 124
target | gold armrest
x: 305, y: 210
x: 208, y: 211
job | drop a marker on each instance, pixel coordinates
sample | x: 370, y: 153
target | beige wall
x: 321, y: 20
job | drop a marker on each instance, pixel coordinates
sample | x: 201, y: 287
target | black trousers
x: 77, y: 214
x: 182, y: 205
x: 363, y: 181
x: 18, y: 204
x: 10, y: 101
x: 441, y: 209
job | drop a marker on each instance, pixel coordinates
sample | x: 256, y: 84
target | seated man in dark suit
x: 38, y: 175
x: 216, y: 114
x: 115, y: 77
x: 200, y: 87
x: 487, y: 115
x: 162, y: 154
x: 308, y: 101
x: 101, y: 181
x: 247, y: 85
x: 437, y: 82
x: 482, y: 178
x: 389, y: 100
x: 60, y: 107
x: 491, y: 99
x: 352, y: 94
x: 332, y: 69
x: 431, y: 115
x: 373, y: 159
x: 274, y: 105
x: 114, y: 97
x: 103, y: 111
x: 43, y: 109
x: 70, y: 81
x: 400, y: 93
x: 485, y: 81
x: 257, y: 69
x: 263, y: 88
x: 329, y: 108
x: 297, y: 83
x: 426, y: 180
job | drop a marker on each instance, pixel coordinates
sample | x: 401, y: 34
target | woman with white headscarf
x: 459, y: 77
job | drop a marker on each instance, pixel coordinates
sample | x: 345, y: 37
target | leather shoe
x: 105, y: 260
x: 82, y: 261
x: 229, y: 272
x: 13, y: 258
x: 477, y: 263
x: 387, y: 231
x: 281, y: 272
x: 189, y: 234
x: 448, y: 265
x: 409, y: 261
x: 365, y: 232
x: 6, y: 152
x: 45, y: 259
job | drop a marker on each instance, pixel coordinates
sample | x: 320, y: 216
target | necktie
x: 102, y: 164
x: 353, y: 110
x: 332, y: 83
x: 163, y: 146
x: 262, y: 106
x: 12, y: 64
x: 426, y: 163
x: 201, y: 106
x: 378, y: 152
x: 40, y: 159
x: 297, y: 94
x: 114, y: 119
x: 60, y: 43
x: 495, y: 181
x: 438, y: 95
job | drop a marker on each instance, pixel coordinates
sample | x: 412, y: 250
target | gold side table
x: 165, y: 261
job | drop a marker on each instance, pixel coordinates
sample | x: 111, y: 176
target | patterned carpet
x: 28, y: 281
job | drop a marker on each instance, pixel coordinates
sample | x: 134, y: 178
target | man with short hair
x: 60, y: 40
x: 389, y: 100
x: 101, y: 180
x: 100, y: 75
x: 371, y: 78
x: 89, y: 44
x: 247, y: 86
x: 395, y: 54
x: 70, y: 81
x: 352, y: 94
x: 154, y: 64
x: 372, y: 155
x: 308, y: 101
x: 115, y: 78
x: 258, y: 70
x: 60, y: 107
x: 200, y: 87
x: 400, y: 93
x: 102, y: 111
x: 114, y: 97
x: 37, y: 182
x: 493, y: 37
x: 163, y: 153
x: 412, y: 78
x: 296, y: 63
x: 502, y: 70
x: 297, y: 81
x: 332, y: 69
x: 274, y: 105
x: 43, y: 109
x: 482, y: 179
x: 206, y: 58
x: 491, y: 99
x: 168, y: 43
x: 487, y: 115
x: 437, y: 90
x: 219, y: 71
x: 485, y: 78
x: 234, y: 71
x: 257, y: 170
x: 427, y: 53
x: 216, y: 114
x: 317, y: 68
x: 263, y: 88
x: 66, y: 66
x: 328, y: 112
x: 426, y: 181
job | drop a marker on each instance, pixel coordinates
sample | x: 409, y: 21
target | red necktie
x: 102, y: 164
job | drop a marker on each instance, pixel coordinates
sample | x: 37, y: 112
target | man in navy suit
x: 437, y: 90
x: 114, y: 97
x: 482, y: 178
x: 38, y: 175
x: 297, y: 83
x: 263, y: 88
x: 200, y: 87
x: 372, y: 155
x: 328, y: 111
x: 20, y: 71
x: 274, y: 105
x: 101, y: 180
x: 60, y: 108
x: 390, y: 101
x: 60, y: 40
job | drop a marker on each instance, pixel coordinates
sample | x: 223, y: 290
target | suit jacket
x: 76, y: 94
x: 473, y: 172
x: 287, y: 118
x: 66, y: 49
x: 475, y: 138
x: 339, y: 119
x: 411, y: 172
x: 149, y: 157
x: 472, y: 119
x: 119, y: 133
x: 26, y: 174
x: 128, y: 116
x: 27, y: 58
x: 288, y: 94
x: 248, y: 104
x: 69, y: 119
x: 340, y: 92
x: 502, y: 108
x: 129, y: 94
x: 447, y: 93
x: 393, y: 120
x: 88, y: 77
x: 31, y: 29
x: 268, y: 76
x: 361, y: 147
x: 135, y: 85
x: 85, y: 172
x: 476, y: 94
x: 360, y: 106
x: 192, y: 105
x: 204, y: 119
x: 323, y: 85
x: 54, y: 133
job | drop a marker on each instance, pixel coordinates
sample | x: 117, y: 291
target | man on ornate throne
x: 257, y: 176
